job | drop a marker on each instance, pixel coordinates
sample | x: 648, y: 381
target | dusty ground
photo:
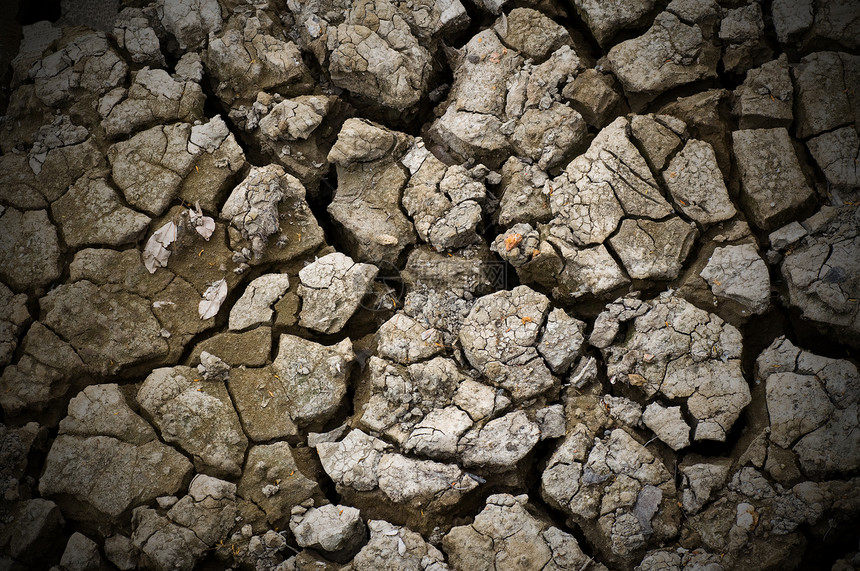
x: 430, y: 284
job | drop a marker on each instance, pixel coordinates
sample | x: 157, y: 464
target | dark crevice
x: 32, y: 12
x: 319, y: 201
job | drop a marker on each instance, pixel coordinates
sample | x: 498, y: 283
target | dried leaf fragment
x: 213, y: 297
x: 205, y: 225
x: 157, y: 252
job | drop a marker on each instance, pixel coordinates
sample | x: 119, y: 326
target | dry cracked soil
x: 429, y: 284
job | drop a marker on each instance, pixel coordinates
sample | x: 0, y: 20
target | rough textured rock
x: 29, y: 249
x: 274, y: 482
x: 293, y: 119
x: 765, y: 98
x: 588, y: 271
x: 108, y: 330
x: 522, y: 198
x: 597, y: 97
x: 704, y: 114
x: 773, y: 185
x: 499, y: 102
x: 812, y: 401
x: 296, y: 132
x: 653, y: 250
x: 136, y: 34
x: 362, y: 463
x: 107, y: 459
x: 404, y: 340
x: 102, y: 410
x: 614, y: 491
x: 625, y: 410
x: 679, y: 351
x: 680, y: 559
x: 562, y: 340
x: 669, y: 54
x: 374, y: 55
x: 81, y: 553
x: 821, y: 274
x: 673, y: 183
x: 150, y: 167
x: 659, y: 136
x: 36, y: 38
x: 190, y: 23
x: 599, y: 187
x: 154, y: 97
x: 122, y: 276
x: 478, y: 400
x: 366, y: 204
x: 472, y: 123
x: 706, y: 13
x: 696, y: 184
x: 61, y: 154
x: 797, y: 405
x: 744, y: 43
x: 192, y: 525
x: 549, y: 134
x: 245, y: 58
x: 313, y: 377
x: 331, y: 289
x: 329, y: 528
x: 836, y: 153
x: 399, y: 397
x: 700, y: 481
x: 60, y: 133
x: 394, y: 547
x: 82, y: 68
x: 731, y: 236
x: 531, y: 33
x: 16, y: 446
x: 499, y: 338
x: 353, y: 461
x: 405, y: 480
x: 438, y: 433
x: 251, y: 348
x: 456, y: 277
x: 608, y: 323
x: 835, y: 22
x: 668, y: 424
x: 786, y: 236
x: 444, y: 203
x: 823, y: 83
x: 605, y: 21
x: 255, y: 305
x: 42, y: 374
x: 305, y: 385
x: 197, y: 414
x: 264, y: 417
x: 738, y: 273
x: 37, y: 534
x: 517, y: 246
x: 500, y: 443
x: 91, y: 213
x: 505, y: 535
x: 791, y: 18
x: 270, y: 203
